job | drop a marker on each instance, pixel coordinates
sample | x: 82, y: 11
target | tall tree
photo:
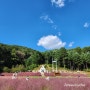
x: 63, y: 56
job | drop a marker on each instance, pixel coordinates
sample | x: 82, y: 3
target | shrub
x: 6, y: 69
x: 87, y: 70
x: 18, y: 68
x: 31, y: 67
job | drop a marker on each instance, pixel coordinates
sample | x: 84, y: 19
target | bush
x: 6, y: 69
x: 31, y: 67
x: 18, y: 68
x: 87, y: 70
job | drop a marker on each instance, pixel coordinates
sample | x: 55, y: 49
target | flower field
x: 6, y: 83
x: 63, y: 74
x: 48, y: 82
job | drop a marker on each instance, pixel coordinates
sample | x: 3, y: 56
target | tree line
x: 18, y: 58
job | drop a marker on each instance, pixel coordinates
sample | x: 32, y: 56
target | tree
x: 70, y: 59
x: 48, y: 57
x: 87, y: 60
x: 86, y: 49
x: 78, y: 50
x: 62, y: 55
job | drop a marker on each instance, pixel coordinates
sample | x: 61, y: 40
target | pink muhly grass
x: 54, y: 83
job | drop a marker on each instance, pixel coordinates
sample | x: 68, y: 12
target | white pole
x: 56, y: 65
x: 52, y: 64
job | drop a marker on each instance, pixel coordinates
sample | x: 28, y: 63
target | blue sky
x: 45, y: 24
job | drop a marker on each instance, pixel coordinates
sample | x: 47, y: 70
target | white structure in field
x: 42, y: 69
x: 53, y: 68
x: 27, y: 78
x: 14, y: 76
x: 47, y: 78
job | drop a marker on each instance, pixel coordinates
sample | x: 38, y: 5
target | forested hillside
x: 15, y: 58
x: 18, y: 58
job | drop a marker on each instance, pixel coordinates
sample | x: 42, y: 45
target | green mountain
x: 19, y: 58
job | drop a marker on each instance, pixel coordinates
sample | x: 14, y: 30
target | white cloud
x: 71, y: 44
x: 54, y: 26
x: 47, y: 19
x: 51, y: 42
x: 86, y: 25
x: 58, y: 3
x: 59, y: 34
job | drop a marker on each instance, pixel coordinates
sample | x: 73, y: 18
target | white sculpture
x: 47, y: 78
x: 27, y: 78
x: 14, y: 75
x: 42, y: 69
